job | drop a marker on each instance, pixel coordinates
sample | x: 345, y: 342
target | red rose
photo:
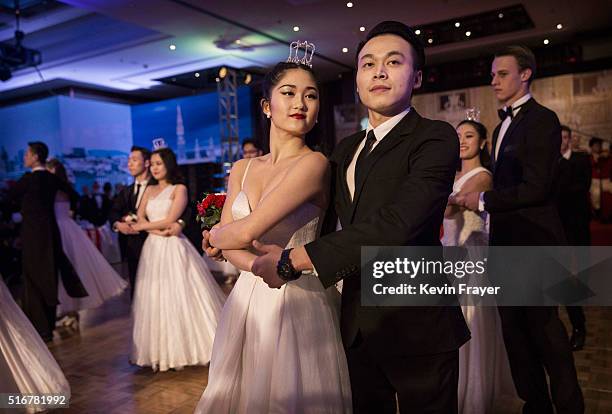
x: 207, y: 201
x: 219, y: 201
x: 201, y: 209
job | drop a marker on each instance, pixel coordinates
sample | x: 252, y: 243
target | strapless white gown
x: 279, y: 350
x: 97, y: 275
x: 484, y: 371
x: 26, y: 365
x: 177, y: 302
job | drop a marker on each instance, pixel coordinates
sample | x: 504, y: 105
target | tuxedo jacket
x: 42, y: 255
x: 522, y: 205
x: 399, y: 201
x: 573, y: 200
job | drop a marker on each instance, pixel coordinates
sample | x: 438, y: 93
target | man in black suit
x: 42, y: 256
x: 390, y: 186
x: 124, y: 208
x: 574, y: 205
x: 523, y: 211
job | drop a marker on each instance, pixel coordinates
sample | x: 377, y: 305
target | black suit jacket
x: 522, y: 204
x: 400, y: 200
x: 573, y: 201
x: 42, y: 255
x: 124, y: 203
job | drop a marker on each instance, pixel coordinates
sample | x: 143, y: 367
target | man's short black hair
x: 595, y: 141
x: 402, y: 30
x: 566, y: 129
x: 146, y: 154
x: 40, y: 149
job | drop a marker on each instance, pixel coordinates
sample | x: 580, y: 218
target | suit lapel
x: 493, y: 146
x: 392, y: 139
x: 508, y: 135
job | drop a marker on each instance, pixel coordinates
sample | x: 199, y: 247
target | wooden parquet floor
x: 95, y: 361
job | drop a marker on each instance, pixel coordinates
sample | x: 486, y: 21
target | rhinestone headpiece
x: 159, y: 143
x: 301, y: 52
x: 472, y: 114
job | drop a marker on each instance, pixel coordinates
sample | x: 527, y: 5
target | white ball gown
x: 26, y: 365
x: 177, y: 302
x: 97, y: 275
x: 484, y: 371
x: 279, y: 350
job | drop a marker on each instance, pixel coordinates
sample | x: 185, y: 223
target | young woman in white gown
x: 484, y: 372
x: 26, y: 365
x: 98, y: 277
x: 278, y: 350
x: 177, y: 302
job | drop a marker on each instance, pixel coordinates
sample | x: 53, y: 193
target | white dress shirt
x: 143, y: 186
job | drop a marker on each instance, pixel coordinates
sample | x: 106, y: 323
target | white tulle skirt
x: 278, y: 351
x: 26, y: 365
x: 96, y: 274
x: 177, y: 304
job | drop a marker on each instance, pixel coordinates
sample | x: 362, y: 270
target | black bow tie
x: 503, y: 113
x: 508, y: 111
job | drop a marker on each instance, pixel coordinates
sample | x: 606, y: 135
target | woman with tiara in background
x: 177, y: 301
x: 484, y: 371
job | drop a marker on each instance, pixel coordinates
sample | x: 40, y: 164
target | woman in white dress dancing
x: 98, y: 277
x: 484, y: 372
x: 26, y: 365
x: 278, y: 350
x: 177, y: 301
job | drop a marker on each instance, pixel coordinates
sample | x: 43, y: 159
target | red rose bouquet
x: 209, y: 209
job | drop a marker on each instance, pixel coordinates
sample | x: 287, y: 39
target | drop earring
x: 268, y: 116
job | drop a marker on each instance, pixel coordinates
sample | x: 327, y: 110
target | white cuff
x: 481, y: 204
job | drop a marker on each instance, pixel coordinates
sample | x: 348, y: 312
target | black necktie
x: 137, y: 194
x: 367, y: 148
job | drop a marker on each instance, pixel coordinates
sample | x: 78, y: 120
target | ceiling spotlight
x: 237, y: 41
x: 247, y: 78
x: 468, y: 33
x: 501, y: 15
x: 430, y: 40
x: 457, y: 24
x: 296, y: 28
x: 222, y: 72
x: 362, y: 29
x: 559, y: 26
x: 546, y: 41
x: 172, y: 47
x: 197, y: 74
x: 349, y: 4
x: 417, y: 31
x: 345, y: 50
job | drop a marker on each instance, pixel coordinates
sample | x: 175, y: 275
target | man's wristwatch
x: 285, y: 269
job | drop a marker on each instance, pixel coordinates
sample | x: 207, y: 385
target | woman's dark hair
x: 273, y: 77
x: 59, y: 168
x: 481, y: 130
x: 173, y: 173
